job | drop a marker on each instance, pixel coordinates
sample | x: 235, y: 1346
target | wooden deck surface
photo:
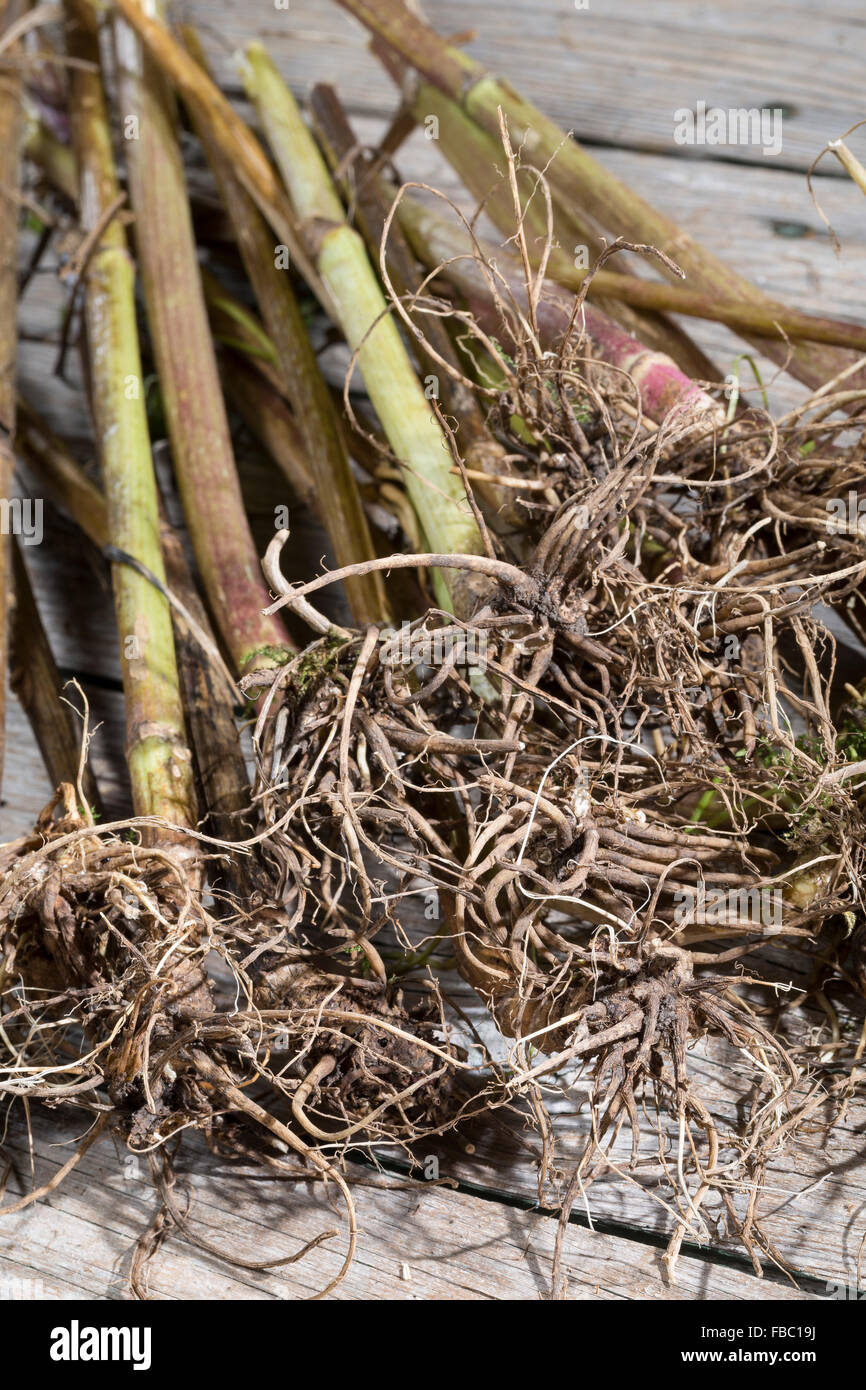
x: 615, y: 73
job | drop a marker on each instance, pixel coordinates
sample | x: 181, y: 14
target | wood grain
x: 614, y: 72
x: 418, y: 1241
x: 483, y: 1241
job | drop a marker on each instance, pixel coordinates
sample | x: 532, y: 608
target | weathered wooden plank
x: 416, y: 1241
x: 813, y: 1207
x: 615, y: 73
x: 28, y: 788
x: 760, y: 218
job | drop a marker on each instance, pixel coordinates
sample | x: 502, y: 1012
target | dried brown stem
x: 180, y: 335
x: 37, y: 684
x: 340, y: 506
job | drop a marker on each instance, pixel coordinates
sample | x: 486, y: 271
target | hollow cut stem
x: 850, y: 163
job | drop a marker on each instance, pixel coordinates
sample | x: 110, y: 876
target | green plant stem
x: 341, y: 508
x: 34, y: 677
x: 54, y: 159
x: 207, y: 700
x: 406, y: 415
x: 159, y: 761
x: 369, y: 200
x: 192, y: 396
x: 576, y: 178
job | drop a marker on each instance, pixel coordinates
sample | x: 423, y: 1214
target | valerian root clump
x: 599, y: 772
x: 122, y: 995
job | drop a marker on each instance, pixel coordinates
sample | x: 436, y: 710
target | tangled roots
x: 598, y: 775
x: 123, y: 995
